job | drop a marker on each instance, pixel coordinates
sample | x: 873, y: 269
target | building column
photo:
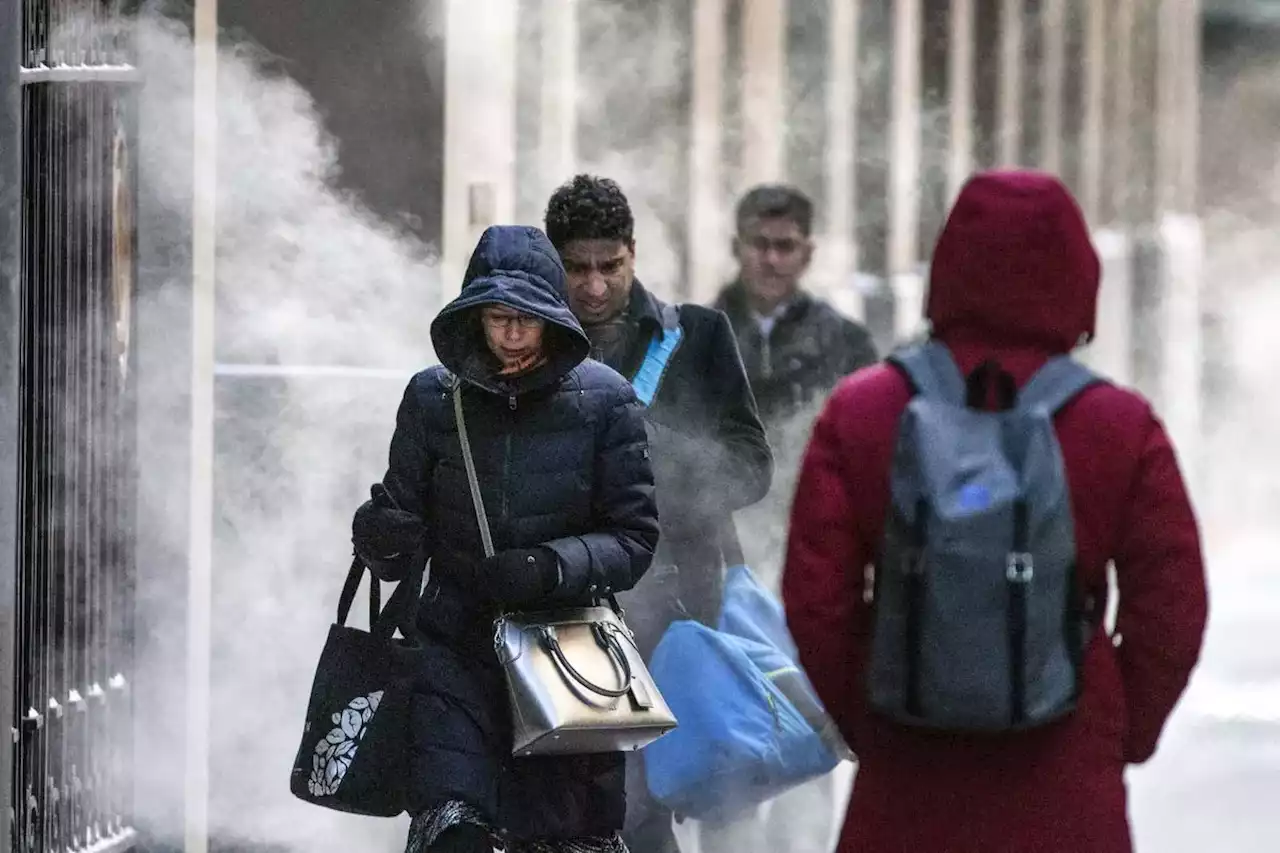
x: 1053, y: 69
x: 201, y: 507
x: 1121, y: 131
x: 1179, y: 235
x: 1110, y: 352
x: 707, y: 233
x: 1191, y: 129
x: 1111, y: 39
x: 558, y: 127
x: 764, y: 69
x: 479, y: 128
x: 960, y: 57
x: 1091, y: 130
x: 904, y: 170
x: 1009, y: 123
x: 839, y: 249
x: 1170, y: 91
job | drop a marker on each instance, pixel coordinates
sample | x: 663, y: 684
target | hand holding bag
x: 354, y: 751
x: 754, y: 727
x: 576, y: 681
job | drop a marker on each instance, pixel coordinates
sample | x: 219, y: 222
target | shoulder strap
x: 1056, y: 383
x: 649, y: 377
x: 931, y: 369
x: 482, y: 519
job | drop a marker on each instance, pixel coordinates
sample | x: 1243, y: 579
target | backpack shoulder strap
x: 649, y: 377
x: 1056, y: 384
x: 932, y: 371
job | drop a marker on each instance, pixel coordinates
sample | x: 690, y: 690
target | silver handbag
x: 576, y: 680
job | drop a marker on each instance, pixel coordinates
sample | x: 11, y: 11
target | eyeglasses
x: 505, y: 321
x: 784, y: 246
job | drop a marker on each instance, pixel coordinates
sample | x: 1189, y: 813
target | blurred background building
x: 175, y: 483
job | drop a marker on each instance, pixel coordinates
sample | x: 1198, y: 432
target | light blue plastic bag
x: 751, y: 726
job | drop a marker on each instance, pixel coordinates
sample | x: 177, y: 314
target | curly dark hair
x: 589, y: 208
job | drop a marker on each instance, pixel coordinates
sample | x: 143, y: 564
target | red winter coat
x: 1014, y: 277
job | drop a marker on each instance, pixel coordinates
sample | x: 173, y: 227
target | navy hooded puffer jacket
x: 563, y: 462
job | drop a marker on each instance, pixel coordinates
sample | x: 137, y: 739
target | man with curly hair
x: 710, y: 454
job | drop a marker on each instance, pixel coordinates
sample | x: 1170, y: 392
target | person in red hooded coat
x: 1014, y: 278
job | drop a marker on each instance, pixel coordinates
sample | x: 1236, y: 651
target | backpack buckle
x: 1020, y: 568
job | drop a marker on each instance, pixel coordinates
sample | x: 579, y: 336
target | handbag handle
x: 607, y: 642
x: 349, y: 588
x: 482, y: 519
x: 401, y: 610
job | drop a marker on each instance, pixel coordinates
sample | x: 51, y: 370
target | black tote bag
x: 356, y: 742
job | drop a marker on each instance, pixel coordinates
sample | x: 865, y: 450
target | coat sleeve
x: 822, y: 577
x: 735, y: 468
x: 1163, y: 603
x: 858, y: 350
x: 407, y: 483
x: 616, y: 554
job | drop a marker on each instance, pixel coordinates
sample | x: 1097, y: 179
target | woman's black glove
x: 385, y: 536
x: 520, y: 576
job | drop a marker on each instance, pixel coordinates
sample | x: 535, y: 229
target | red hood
x: 1015, y: 265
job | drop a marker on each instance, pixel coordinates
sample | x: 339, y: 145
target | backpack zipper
x: 914, y: 569
x: 1018, y: 575
x: 506, y: 473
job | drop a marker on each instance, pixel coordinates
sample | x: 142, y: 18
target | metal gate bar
x: 71, y: 769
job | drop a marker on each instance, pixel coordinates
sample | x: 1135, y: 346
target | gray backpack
x: 978, y: 626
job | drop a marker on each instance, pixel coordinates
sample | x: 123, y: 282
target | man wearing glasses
x: 795, y: 346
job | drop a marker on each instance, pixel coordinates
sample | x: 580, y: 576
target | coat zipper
x: 506, y: 473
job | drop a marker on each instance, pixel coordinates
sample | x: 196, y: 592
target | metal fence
x: 70, y: 780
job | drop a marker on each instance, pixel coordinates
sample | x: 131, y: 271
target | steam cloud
x: 305, y: 276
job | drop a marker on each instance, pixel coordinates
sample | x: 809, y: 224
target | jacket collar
x: 733, y: 301
x: 646, y: 309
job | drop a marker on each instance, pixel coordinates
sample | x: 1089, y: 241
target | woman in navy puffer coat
x: 563, y: 462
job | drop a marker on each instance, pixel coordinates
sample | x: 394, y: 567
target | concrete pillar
x: 708, y: 225
x: 1181, y: 362
x: 201, y: 506
x: 839, y: 249
x: 1009, y: 105
x: 1053, y: 69
x: 1179, y: 233
x: 1170, y: 105
x: 1121, y: 131
x: 1111, y: 350
x: 479, y: 127
x: 1111, y: 38
x: 558, y: 127
x: 1091, y: 130
x: 764, y: 68
x: 960, y: 56
x: 1190, y: 132
x: 904, y: 170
